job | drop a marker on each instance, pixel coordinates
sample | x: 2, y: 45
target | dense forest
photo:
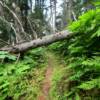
x: 49, y: 50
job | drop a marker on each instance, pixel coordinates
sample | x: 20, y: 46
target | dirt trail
x: 46, y: 85
x: 47, y: 81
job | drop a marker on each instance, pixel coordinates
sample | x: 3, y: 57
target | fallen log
x: 38, y: 42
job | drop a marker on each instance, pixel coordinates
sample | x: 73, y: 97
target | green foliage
x: 94, y: 83
x: 84, y: 49
x: 58, y: 84
x: 96, y: 3
x: 4, y: 55
x: 77, y: 97
x: 26, y: 74
x: 82, y: 56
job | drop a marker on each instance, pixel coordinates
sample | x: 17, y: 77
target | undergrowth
x: 79, y: 79
x: 81, y: 53
x: 22, y: 79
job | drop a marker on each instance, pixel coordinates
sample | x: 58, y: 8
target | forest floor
x: 52, y: 63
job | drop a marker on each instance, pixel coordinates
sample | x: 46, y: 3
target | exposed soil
x: 47, y: 81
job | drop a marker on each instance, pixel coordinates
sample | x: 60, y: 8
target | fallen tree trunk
x: 38, y: 42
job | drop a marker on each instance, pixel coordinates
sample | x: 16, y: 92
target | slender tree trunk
x: 1, y: 11
x: 55, y: 1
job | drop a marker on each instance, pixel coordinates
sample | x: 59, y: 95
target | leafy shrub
x: 82, y: 55
x: 17, y: 77
x: 84, y: 49
x: 5, y: 55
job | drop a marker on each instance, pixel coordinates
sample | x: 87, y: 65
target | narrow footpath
x: 46, y: 86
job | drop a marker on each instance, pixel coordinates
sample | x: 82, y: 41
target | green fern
x: 83, y: 53
x: 92, y: 63
x: 94, y: 83
x: 4, y: 54
x: 15, y: 77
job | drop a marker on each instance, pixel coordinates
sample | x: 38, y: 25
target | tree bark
x: 38, y: 42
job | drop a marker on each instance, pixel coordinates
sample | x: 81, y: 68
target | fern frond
x: 94, y: 83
